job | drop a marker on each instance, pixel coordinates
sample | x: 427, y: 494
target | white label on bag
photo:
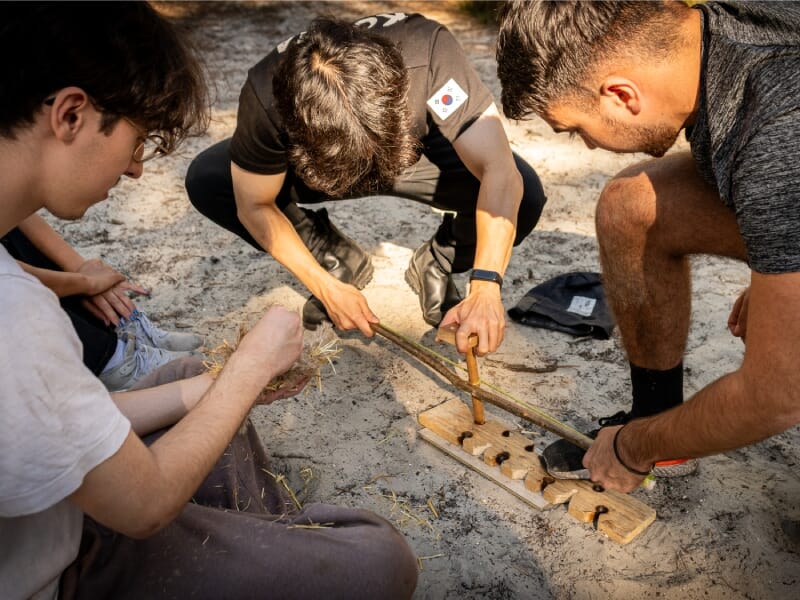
x: 581, y: 305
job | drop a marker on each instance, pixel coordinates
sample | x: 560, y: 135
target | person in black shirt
x: 386, y: 105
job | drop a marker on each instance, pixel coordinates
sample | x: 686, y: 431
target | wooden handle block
x: 448, y: 335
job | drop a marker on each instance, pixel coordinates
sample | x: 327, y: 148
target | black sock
x: 655, y: 391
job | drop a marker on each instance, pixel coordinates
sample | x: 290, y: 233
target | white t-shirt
x: 58, y: 422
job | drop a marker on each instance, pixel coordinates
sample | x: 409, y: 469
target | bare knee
x: 625, y: 211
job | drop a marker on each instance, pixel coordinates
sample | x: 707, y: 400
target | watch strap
x: 485, y: 275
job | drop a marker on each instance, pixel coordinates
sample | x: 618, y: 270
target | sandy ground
x: 731, y: 531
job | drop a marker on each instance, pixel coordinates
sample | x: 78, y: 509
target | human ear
x: 620, y: 93
x: 68, y: 112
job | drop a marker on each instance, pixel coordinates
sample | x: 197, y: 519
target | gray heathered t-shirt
x: 746, y: 139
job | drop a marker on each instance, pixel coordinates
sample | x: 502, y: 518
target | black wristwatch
x: 484, y: 275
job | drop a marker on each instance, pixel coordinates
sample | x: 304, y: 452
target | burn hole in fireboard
x: 598, y: 510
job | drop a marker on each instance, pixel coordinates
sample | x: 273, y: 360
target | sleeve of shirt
x: 257, y: 144
x: 766, y: 193
x: 457, y: 96
x: 59, y: 422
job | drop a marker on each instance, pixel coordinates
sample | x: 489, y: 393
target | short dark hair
x: 546, y: 49
x: 129, y: 60
x: 342, y: 93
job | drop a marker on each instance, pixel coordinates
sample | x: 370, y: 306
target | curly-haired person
x: 386, y: 105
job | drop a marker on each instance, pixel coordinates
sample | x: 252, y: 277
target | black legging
x: 438, y: 179
x: 99, y: 340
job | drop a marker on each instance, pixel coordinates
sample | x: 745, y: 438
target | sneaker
x: 618, y: 418
x: 434, y: 286
x: 139, y: 360
x: 145, y: 332
x: 565, y: 460
x: 677, y: 467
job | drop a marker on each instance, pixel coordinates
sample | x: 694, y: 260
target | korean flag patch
x: 445, y: 101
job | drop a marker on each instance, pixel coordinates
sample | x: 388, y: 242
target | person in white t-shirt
x: 88, y: 508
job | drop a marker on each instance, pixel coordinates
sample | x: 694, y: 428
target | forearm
x: 62, y: 284
x: 273, y: 231
x: 186, y: 453
x: 496, y: 219
x: 484, y: 149
x: 49, y: 243
x: 256, y: 196
x: 154, y: 408
x: 494, y: 243
x: 139, y: 489
x: 725, y: 415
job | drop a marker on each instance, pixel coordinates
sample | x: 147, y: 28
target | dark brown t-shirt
x: 445, y: 95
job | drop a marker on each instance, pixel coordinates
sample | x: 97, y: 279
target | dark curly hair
x: 341, y: 92
x: 124, y: 55
x: 545, y: 49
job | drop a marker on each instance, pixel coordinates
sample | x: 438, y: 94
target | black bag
x: 574, y: 303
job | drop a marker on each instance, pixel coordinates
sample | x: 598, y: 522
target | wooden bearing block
x: 509, y: 459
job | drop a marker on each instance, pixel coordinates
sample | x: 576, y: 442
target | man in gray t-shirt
x: 628, y: 77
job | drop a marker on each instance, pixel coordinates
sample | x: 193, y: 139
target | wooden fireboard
x: 510, y: 459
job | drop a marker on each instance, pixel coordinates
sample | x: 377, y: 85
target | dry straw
x: 320, y: 347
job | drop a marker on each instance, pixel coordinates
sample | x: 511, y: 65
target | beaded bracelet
x: 619, y: 458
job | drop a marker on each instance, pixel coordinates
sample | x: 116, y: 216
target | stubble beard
x: 657, y: 140
x: 653, y: 140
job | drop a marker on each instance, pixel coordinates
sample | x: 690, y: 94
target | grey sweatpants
x: 240, y: 539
